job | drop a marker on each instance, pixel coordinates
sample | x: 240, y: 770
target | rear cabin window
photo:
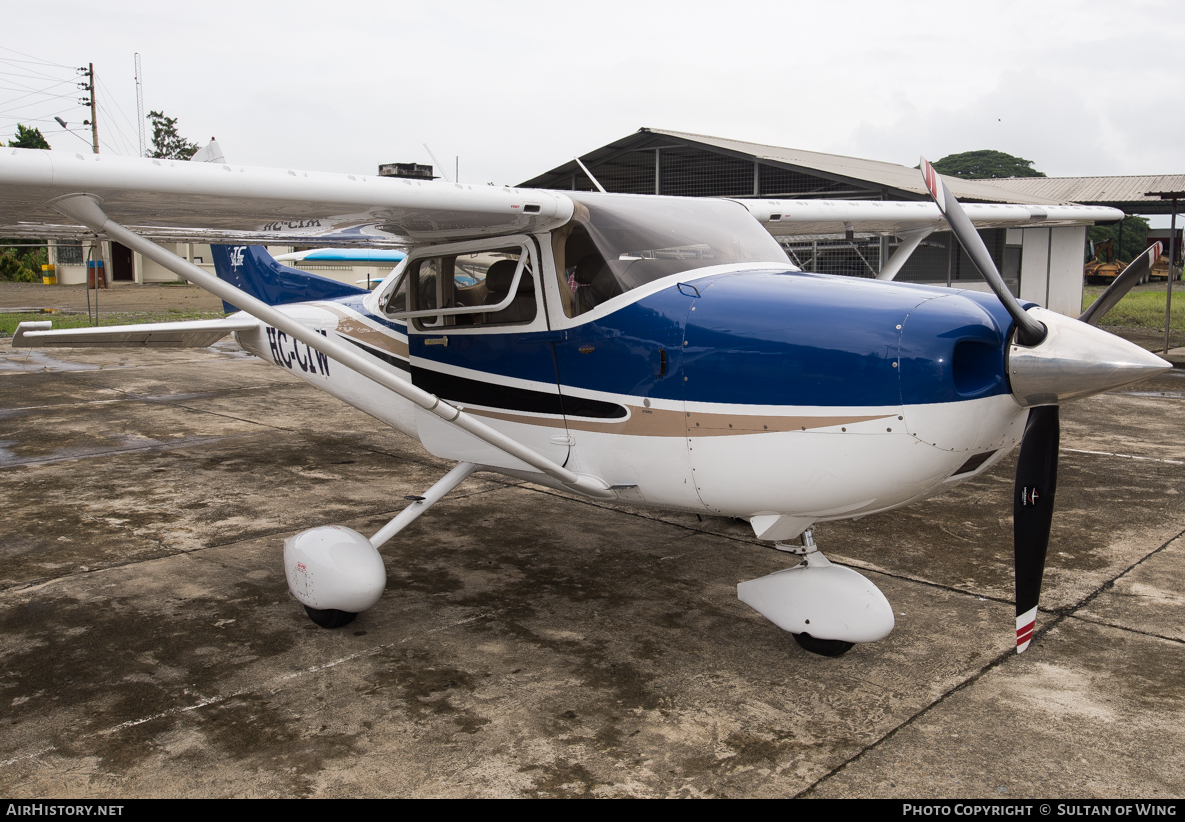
x: 471, y: 281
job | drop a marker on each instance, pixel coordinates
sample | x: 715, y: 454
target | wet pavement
x: 530, y: 643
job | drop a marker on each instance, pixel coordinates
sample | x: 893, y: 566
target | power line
x: 29, y: 93
x: 36, y: 75
x: 27, y: 105
x: 115, y: 102
x: 34, y: 59
x: 37, y: 86
x: 125, y: 148
x: 32, y: 77
x: 49, y: 118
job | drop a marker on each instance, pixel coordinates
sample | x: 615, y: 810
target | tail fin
x: 252, y: 269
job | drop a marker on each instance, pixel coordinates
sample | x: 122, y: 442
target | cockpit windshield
x: 619, y: 242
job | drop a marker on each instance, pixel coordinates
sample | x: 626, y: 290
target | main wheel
x: 332, y: 618
x: 823, y: 647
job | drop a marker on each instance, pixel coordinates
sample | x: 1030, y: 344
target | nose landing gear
x: 828, y: 608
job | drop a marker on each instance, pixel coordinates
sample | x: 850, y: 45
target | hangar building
x: 1039, y: 264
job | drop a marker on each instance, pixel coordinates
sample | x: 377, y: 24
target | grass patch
x: 1140, y: 309
x: 8, y: 322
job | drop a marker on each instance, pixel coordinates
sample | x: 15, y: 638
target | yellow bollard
x: 49, y: 274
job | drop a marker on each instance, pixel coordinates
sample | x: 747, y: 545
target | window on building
x: 69, y: 253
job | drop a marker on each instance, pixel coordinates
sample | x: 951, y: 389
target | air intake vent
x: 973, y: 463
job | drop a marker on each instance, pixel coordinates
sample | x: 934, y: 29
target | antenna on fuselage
x: 596, y: 182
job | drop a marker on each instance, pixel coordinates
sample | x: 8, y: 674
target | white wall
x: 1034, y: 265
x: 1051, y: 268
x: 1066, y: 263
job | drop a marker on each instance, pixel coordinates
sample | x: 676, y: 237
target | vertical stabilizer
x: 252, y: 269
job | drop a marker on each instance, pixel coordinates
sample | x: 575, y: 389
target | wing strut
x: 87, y: 211
x: 910, y: 240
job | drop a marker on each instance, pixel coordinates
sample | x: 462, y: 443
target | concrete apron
x: 531, y: 644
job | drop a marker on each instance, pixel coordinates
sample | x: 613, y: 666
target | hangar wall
x: 1041, y: 265
x: 1045, y: 268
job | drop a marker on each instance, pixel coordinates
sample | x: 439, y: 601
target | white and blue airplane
x: 656, y: 350
x: 377, y: 257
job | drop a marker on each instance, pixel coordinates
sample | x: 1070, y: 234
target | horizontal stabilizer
x: 194, y: 334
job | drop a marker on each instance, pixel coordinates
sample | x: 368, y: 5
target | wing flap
x: 830, y: 217
x: 190, y: 334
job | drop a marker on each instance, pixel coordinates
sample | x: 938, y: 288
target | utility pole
x: 89, y: 86
x: 100, y: 271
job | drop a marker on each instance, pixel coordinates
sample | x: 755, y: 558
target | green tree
x: 15, y: 269
x: 167, y: 144
x: 28, y: 138
x: 1135, y: 229
x: 985, y: 164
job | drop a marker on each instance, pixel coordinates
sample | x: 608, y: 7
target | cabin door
x: 478, y: 337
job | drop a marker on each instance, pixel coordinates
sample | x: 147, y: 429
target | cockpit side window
x: 619, y: 242
x: 586, y: 281
x: 397, y: 301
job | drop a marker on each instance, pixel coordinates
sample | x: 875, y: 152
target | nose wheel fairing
x: 828, y: 603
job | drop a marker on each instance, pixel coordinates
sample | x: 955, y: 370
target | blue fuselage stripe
x: 765, y: 337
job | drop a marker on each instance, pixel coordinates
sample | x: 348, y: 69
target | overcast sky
x: 515, y: 88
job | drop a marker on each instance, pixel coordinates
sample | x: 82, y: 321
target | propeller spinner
x: 1051, y: 359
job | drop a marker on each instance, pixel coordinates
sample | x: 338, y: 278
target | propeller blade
x: 1121, y: 285
x: 1032, y: 514
x: 1028, y: 330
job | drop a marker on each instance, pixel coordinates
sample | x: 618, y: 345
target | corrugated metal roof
x: 1128, y: 193
x: 890, y: 175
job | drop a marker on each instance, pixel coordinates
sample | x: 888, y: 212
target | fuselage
x: 738, y: 389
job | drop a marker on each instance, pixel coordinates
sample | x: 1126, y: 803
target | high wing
x: 799, y: 217
x: 183, y: 201
x: 177, y: 200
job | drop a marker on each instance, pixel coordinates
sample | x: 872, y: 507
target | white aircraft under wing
x: 658, y: 350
